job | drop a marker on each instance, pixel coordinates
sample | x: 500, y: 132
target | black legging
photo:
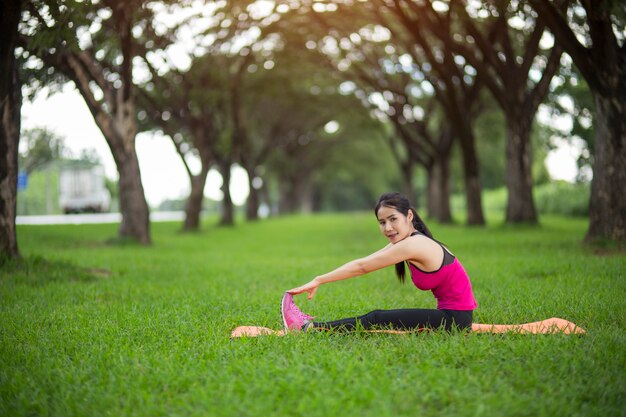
x: 404, y: 319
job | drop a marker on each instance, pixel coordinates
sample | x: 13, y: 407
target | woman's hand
x: 310, y: 287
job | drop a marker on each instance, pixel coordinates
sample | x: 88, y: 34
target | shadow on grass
x: 37, y: 271
x: 122, y: 241
x: 604, y: 247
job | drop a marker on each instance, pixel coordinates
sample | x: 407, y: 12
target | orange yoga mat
x: 550, y: 326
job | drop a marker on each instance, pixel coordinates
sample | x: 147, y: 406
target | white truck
x: 82, y: 189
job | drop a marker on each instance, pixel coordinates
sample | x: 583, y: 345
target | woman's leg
x: 403, y: 319
x: 551, y: 325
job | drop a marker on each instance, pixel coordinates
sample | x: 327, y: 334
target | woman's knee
x: 372, y: 317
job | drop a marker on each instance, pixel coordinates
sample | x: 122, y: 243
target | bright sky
x: 163, y: 174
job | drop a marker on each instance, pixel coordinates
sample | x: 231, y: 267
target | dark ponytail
x: 419, y: 224
x: 402, y: 204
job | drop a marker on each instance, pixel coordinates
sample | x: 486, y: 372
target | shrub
x: 561, y: 197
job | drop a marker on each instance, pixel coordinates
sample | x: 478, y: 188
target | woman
x: 432, y: 267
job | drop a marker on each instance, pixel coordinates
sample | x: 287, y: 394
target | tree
x: 205, y: 108
x: 93, y: 46
x: 601, y: 59
x: 267, y: 118
x: 361, y: 165
x: 427, y: 37
x: 280, y: 105
x: 301, y: 143
x: 517, y: 69
x: 192, y: 108
x: 378, y: 48
x: 10, y: 105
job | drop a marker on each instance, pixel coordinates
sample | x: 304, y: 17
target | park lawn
x: 92, y: 328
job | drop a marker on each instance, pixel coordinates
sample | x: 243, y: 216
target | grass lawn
x: 89, y: 328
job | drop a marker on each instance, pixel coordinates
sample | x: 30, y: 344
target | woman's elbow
x: 362, y: 267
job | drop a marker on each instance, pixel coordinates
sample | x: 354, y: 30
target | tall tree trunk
x: 473, y: 189
x: 133, y: 206
x: 253, y: 200
x: 135, y: 213
x: 304, y: 189
x: 289, y: 201
x: 284, y: 197
x: 607, y: 207
x: 603, y: 64
x: 439, y: 191
x: 10, y: 106
x: 264, y: 198
x: 120, y: 133
x: 193, y: 208
x: 520, y: 204
x: 228, y: 209
x: 114, y: 115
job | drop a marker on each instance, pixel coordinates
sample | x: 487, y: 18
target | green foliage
x: 490, y: 132
x: 40, y: 147
x: 348, y: 180
x: 557, y: 197
x: 132, y: 331
x: 561, y: 197
x: 490, y: 137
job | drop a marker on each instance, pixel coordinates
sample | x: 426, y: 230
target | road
x: 159, y: 216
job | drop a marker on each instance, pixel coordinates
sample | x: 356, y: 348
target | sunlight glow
x: 261, y: 9
x: 331, y: 127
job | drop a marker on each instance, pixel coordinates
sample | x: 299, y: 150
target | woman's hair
x: 401, y: 203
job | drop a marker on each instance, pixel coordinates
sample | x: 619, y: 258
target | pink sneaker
x: 293, y: 318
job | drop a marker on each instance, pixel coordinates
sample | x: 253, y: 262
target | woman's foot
x: 293, y: 318
x: 254, y: 331
x: 557, y: 325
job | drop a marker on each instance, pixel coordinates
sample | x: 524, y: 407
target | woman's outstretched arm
x: 389, y: 255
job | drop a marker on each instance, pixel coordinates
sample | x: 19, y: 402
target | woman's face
x: 394, y: 225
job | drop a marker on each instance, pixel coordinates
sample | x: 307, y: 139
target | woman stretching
x: 432, y: 267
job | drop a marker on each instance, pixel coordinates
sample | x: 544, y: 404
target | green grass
x: 92, y: 329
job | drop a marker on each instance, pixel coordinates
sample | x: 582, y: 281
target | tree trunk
x: 284, y: 197
x: 296, y: 195
x: 10, y: 106
x: 439, y: 192
x: 133, y: 206
x: 607, y: 207
x: 304, y: 191
x: 520, y: 204
x: 193, y: 208
x: 475, y: 216
x: 120, y: 133
x: 115, y: 116
x: 253, y: 200
x: 135, y: 213
x: 602, y: 64
x: 264, y: 198
x: 228, y: 209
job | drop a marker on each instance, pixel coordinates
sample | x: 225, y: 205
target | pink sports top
x: 450, y: 284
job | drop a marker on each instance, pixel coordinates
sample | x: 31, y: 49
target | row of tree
x: 265, y: 78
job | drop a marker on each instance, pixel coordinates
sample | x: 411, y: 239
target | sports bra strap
x: 448, y: 258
